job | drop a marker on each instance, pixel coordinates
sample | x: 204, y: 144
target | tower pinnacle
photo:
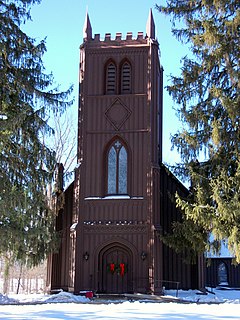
x: 150, y: 27
x: 87, y: 28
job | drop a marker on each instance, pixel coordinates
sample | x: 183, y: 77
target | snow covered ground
x: 223, y: 304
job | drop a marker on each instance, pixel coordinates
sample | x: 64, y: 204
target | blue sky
x: 61, y: 22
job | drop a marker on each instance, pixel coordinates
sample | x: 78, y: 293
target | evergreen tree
x: 208, y: 95
x: 27, y: 100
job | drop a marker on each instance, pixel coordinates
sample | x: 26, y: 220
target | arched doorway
x: 115, y: 269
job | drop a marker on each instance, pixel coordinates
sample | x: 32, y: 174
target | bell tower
x: 121, y: 199
x: 117, y: 207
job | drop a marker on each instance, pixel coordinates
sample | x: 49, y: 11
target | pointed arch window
x: 126, y: 78
x: 222, y: 274
x: 111, y: 78
x: 117, y: 160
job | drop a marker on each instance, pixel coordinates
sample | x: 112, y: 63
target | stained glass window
x: 117, y: 169
x: 112, y: 170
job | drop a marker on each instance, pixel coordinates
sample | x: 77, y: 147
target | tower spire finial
x: 87, y: 28
x: 150, y: 27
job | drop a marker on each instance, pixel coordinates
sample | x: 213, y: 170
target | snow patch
x: 61, y: 297
x: 65, y: 305
x: 4, y: 299
x: 194, y: 296
x: 66, y: 297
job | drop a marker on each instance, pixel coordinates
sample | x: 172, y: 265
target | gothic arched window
x: 117, y: 160
x: 126, y: 78
x: 111, y: 78
x: 222, y: 274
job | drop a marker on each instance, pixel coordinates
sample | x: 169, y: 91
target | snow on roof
x: 113, y: 197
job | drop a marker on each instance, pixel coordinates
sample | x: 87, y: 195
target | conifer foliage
x: 27, y: 98
x: 208, y: 95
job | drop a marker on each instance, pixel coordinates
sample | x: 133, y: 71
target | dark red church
x: 122, y: 197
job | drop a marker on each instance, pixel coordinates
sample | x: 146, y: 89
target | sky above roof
x: 61, y: 22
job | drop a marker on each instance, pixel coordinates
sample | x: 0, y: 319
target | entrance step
x: 111, y: 296
x: 134, y: 297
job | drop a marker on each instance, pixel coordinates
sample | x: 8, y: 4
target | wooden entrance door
x: 116, y: 270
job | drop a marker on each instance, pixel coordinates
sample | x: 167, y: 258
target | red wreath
x: 122, y: 269
x: 112, y: 267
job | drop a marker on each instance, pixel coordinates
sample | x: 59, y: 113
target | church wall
x: 96, y: 237
x: 115, y: 210
x: 69, y: 245
x: 61, y: 258
x: 97, y: 56
x: 155, y: 105
x: 96, y: 163
x: 99, y: 130
x: 174, y: 267
x: 233, y: 272
x: 136, y: 110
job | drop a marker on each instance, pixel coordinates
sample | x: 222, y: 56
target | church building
x: 121, y: 201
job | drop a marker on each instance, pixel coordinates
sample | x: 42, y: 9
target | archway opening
x: 115, y: 269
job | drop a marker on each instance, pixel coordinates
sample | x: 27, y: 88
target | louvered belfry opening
x: 111, y: 78
x: 126, y: 78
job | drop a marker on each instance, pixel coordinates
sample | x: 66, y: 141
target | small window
x: 111, y: 78
x: 126, y: 78
x: 117, y: 169
x: 222, y: 274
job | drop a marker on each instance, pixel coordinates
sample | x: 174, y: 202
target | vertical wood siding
x: 174, y: 267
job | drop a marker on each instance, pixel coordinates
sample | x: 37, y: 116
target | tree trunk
x: 6, y: 275
x: 19, y: 278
